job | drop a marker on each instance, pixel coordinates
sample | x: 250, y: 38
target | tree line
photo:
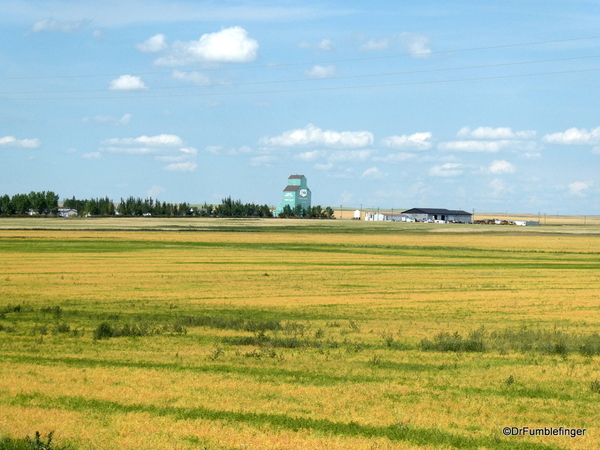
x: 312, y: 212
x: 45, y: 203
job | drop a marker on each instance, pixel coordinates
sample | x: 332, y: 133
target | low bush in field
x: 446, y: 342
x: 37, y: 443
x: 226, y: 323
x: 106, y: 330
x: 524, y: 339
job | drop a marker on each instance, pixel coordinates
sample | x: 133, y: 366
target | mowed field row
x: 350, y: 338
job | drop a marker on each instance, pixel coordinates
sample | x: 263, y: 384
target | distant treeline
x: 45, y: 202
x: 312, y: 212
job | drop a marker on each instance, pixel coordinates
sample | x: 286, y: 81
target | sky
x: 488, y: 106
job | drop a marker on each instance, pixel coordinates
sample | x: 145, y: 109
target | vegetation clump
x: 35, y: 443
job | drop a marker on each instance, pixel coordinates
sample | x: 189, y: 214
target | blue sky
x: 489, y: 105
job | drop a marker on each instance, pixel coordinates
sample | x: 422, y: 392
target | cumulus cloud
x: 127, y: 83
x: 264, y: 160
x: 416, y: 44
x: 376, y: 44
x: 214, y: 149
x: 395, y: 157
x: 186, y: 153
x: 418, y: 141
x: 198, y: 78
x: 492, y: 140
x: 320, y: 71
x: 188, y: 166
x: 92, y: 155
x: 488, y: 146
x: 501, y: 166
x: 161, y: 140
x: 11, y: 141
x: 52, y: 24
x: 326, y: 45
x: 228, y: 45
x: 578, y: 187
x: 494, y: 133
x: 155, y: 190
x: 446, y: 170
x: 575, y: 136
x: 373, y: 173
x: 314, y: 136
x: 239, y: 151
x: 155, y: 44
x: 310, y: 156
x: 108, y: 120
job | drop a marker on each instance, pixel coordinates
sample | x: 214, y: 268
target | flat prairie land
x: 283, y: 334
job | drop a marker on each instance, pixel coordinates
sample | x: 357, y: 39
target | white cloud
x: 501, y: 166
x: 161, y: 140
x: 310, y: 156
x: 326, y: 45
x: 419, y: 141
x: 198, y: 78
x: 92, y: 155
x: 494, y: 133
x: 239, y: 151
x: 131, y: 150
x: 11, y: 141
x: 575, y: 136
x: 578, y: 187
x: 156, y: 43
x: 214, y: 149
x: 327, y: 166
x: 186, y: 154
x: 488, y: 146
x: 395, y: 157
x: 446, y: 170
x: 416, y: 44
x: 320, y: 72
x: 376, y: 44
x: 188, y: 166
x: 189, y: 151
x: 373, y: 173
x: 52, y: 24
x: 314, y: 136
x: 473, y: 146
x: 228, y: 45
x: 155, y: 190
x: 261, y: 160
x: 127, y: 83
x: 110, y: 120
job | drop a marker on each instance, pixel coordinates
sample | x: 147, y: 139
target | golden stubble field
x: 321, y: 338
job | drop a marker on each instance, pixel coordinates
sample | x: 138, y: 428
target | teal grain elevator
x: 295, y: 193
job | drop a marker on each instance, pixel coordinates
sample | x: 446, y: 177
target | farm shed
x: 295, y: 193
x: 439, y: 214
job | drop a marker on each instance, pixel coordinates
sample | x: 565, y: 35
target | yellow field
x: 345, y: 367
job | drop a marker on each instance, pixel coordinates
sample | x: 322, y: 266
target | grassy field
x: 282, y: 334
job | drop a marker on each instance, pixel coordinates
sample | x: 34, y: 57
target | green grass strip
x: 395, y: 432
x: 260, y: 374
